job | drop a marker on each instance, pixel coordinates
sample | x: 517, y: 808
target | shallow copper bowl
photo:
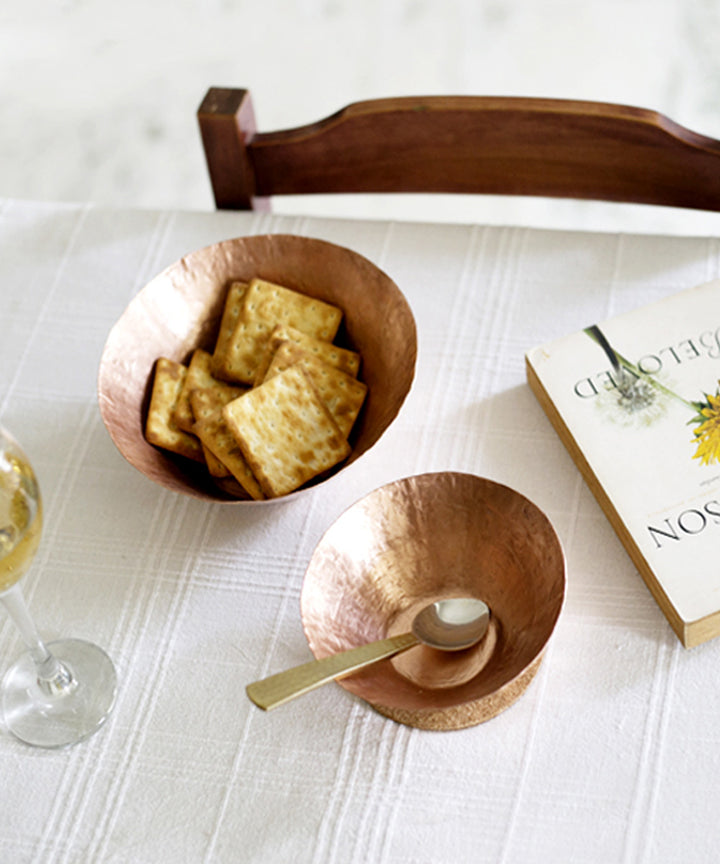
x: 180, y: 310
x: 425, y: 538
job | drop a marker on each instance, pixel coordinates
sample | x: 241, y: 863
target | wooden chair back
x: 460, y: 144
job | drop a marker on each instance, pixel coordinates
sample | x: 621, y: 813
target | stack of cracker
x: 274, y: 403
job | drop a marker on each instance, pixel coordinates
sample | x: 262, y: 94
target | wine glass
x: 58, y: 693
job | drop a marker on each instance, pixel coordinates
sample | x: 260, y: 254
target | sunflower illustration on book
x: 707, y: 433
x: 637, y: 389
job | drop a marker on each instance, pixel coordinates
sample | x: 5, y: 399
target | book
x: 636, y: 401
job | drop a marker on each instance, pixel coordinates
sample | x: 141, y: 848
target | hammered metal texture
x: 180, y: 310
x: 422, y: 539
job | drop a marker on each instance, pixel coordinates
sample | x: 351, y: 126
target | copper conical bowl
x: 180, y: 310
x: 422, y: 539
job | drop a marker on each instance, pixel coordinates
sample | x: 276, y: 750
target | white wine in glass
x: 58, y: 693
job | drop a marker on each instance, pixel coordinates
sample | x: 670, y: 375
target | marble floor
x: 99, y: 98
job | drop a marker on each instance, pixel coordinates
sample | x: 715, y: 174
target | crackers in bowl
x: 272, y: 407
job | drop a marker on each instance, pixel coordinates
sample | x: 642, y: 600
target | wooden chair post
x: 227, y: 125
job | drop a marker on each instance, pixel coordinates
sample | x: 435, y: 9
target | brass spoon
x: 448, y: 625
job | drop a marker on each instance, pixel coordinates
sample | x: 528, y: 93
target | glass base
x: 57, y: 716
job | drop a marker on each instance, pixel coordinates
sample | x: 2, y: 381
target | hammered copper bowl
x: 425, y: 538
x: 180, y: 310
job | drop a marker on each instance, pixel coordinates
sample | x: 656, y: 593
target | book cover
x: 636, y: 400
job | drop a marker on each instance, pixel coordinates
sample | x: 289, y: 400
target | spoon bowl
x: 453, y: 624
x: 445, y: 625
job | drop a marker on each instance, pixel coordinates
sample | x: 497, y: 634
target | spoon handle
x: 284, y: 686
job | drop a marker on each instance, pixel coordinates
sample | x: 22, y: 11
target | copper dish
x: 425, y: 538
x: 180, y: 309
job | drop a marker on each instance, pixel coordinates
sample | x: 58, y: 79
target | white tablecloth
x: 612, y: 754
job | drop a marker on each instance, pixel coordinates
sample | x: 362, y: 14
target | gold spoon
x: 448, y: 625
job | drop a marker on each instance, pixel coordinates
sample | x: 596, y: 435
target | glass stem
x: 54, y: 678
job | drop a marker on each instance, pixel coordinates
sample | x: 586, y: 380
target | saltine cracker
x: 285, y: 432
x: 204, y: 402
x: 228, y: 322
x: 342, y: 394
x: 342, y: 358
x: 160, y: 426
x: 199, y: 374
x: 265, y: 305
